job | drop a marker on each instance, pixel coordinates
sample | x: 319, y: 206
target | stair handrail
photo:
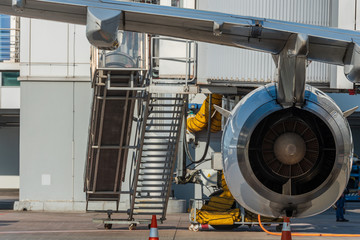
x: 172, y: 161
x: 138, y: 159
x: 190, y: 61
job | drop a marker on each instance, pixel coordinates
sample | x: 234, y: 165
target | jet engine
x: 286, y: 161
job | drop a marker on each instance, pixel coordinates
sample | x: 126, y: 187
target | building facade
x: 9, y: 102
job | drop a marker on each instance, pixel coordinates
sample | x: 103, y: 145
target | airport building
x: 46, y: 93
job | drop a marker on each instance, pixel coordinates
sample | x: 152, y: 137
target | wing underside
x: 330, y: 45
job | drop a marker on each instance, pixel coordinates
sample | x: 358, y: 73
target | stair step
x: 155, y: 174
x: 160, y: 143
x: 159, y: 131
x: 162, y: 180
x: 153, y: 181
x: 151, y: 185
x: 161, y: 124
x: 155, y: 168
x: 147, y: 208
x: 162, y: 118
x: 166, y: 98
x: 149, y: 201
x: 156, y: 156
x: 150, y: 197
x: 165, y: 105
x: 155, y: 162
x: 160, y: 137
x: 151, y: 191
x: 146, y: 213
x: 164, y: 111
x: 173, y: 119
x: 155, y: 171
x: 157, y: 150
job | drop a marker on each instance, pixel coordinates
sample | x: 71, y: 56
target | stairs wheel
x: 191, y: 227
x: 132, y: 226
x: 108, y: 226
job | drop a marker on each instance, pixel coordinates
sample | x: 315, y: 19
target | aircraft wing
x: 330, y: 45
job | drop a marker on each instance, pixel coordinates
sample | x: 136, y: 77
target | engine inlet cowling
x: 286, y: 161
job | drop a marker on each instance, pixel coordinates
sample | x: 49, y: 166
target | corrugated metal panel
x: 227, y: 63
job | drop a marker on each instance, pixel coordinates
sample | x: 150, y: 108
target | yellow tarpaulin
x: 218, y: 210
x: 200, y: 121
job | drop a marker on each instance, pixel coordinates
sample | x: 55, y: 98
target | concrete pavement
x: 55, y: 226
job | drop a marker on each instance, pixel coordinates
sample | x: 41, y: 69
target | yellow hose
x: 199, y: 122
x: 308, y: 234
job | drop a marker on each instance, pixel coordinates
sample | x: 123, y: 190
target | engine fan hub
x: 290, y: 148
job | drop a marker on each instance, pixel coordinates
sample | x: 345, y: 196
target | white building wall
x: 54, y: 126
x: 9, y: 97
x: 53, y: 51
x: 55, y: 113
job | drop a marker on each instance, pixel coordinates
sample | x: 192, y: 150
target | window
x: 9, y: 79
x: 175, y: 3
x: 4, y: 37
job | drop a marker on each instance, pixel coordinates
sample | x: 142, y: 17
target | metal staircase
x: 156, y: 155
x: 115, y: 92
x: 129, y: 119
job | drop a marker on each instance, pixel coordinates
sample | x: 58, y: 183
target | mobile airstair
x: 125, y: 119
x: 156, y: 155
x: 134, y: 135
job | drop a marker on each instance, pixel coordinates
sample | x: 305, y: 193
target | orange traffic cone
x: 286, y: 231
x: 154, y: 235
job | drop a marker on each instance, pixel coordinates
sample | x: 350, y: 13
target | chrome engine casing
x: 258, y: 182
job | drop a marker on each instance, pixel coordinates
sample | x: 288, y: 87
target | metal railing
x: 10, y: 41
x: 188, y: 62
x: 130, y: 54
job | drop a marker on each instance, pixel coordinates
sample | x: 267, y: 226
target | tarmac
x: 56, y: 226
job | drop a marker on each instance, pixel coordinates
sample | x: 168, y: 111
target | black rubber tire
x: 132, y: 226
x: 108, y: 226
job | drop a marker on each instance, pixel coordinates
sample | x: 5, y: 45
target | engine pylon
x: 286, y: 231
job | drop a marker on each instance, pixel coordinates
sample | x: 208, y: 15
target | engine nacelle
x: 293, y: 161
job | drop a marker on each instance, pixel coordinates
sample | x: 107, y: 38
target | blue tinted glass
x: 4, y: 37
x: 10, y: 79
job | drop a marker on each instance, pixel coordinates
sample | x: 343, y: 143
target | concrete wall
x: 9, y: 158
x: 53, y: 51
x: 10, y: 97
x: 54, y: 130
x: 55, y: 112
